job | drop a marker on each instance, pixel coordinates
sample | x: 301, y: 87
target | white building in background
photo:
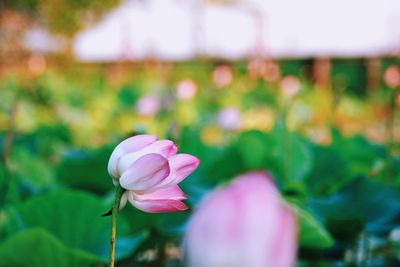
x: 182, y: 29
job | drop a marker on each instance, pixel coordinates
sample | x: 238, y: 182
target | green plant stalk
x: 391, y: 126
x: 391, y: 134
x: 115, y: 209
x: 286, y: 145
x: 8, y: 143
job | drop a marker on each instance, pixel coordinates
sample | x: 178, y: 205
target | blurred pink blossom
x: 392, y: 76
x: 256, y: 68
x: 150, y: 171
x: 186, y: 89
x: 290, y: 86
x: 259, y: 68
x: 245, y: 224
x: 229, y: 118
x: 222, y: 75
x: 272, y: 72
x: 148, y: 105
x: 37, y: 63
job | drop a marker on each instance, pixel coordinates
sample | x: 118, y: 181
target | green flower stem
x: 391, y: 134
x: 118, y: 195
x: 286, y: 144
x: 5, y: 160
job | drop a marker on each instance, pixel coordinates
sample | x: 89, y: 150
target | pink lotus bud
x: 150, y: 170
x: 245, y: 224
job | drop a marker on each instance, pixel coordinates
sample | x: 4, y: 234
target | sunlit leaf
x: 312, y: 233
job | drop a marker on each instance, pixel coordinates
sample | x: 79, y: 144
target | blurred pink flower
x: 269, y: 70
x: 229, y: 118
x: 392, y: 76
x: 272, y: 72
x: 186, y: 89
x: 290, y: 86
x: 222, y: 75
x: 150, y: 170
x: 245, y: 224
x: 37, y: 63
x: 256, y: 68
x: 148, y: 105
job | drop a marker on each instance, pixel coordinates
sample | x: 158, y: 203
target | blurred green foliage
x: 342, y: 186
x: 63, y: 16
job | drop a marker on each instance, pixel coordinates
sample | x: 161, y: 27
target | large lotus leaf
x: 312, y: 234
x: 254, y: 148
x: 363, y: 201
x: 342, y: 161
x: 86, y: 170
x: 292, y: 154
x: 36, y: 247
x: 330, y: 171
x: 74, y: 218
x: 165, y: 223
x: 218, y: 164
x: 34, y: 174
x: 226, y: 166
x: 359, y: 153
x: 284, y: 154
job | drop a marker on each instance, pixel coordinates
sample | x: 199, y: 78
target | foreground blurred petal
x: 145, y: 173
x: 242, y: 225
x: 284, y: 241
x: 129, y: 145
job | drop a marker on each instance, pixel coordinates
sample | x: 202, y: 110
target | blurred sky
x: 180, y: 29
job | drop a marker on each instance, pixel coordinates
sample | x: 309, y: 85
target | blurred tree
x: 62, y: 16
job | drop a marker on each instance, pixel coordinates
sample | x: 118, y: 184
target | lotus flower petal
x: 173, y: 192
x: 165, y: 148
x: 157, y: 205
x: 145, y: 173
x: 242, y: 225
x: 181, y: 166
x: 129, y: 145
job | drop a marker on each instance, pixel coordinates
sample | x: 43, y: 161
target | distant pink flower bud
x: 290, y: 86
x: 222, y: 75
x: 148, y: 105
x: 392, y: 76
x: 272, y: 72
x: 229, y: 118
x: 150, y: 170
x: 245, y: 224
x: 186, y: 89
x: 269, y: 70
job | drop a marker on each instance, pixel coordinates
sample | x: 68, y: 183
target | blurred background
x: 306, y: 90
